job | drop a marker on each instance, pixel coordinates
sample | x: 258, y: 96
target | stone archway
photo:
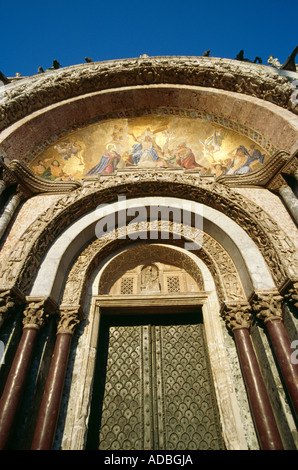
x: 278, y: 251
x: 69, y: 318
x: 75, y: 429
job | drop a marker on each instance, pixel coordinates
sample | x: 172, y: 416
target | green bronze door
x: 153, y: 387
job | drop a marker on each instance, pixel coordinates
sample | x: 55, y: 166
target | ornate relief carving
x: 237, y: 315
x: 31, y: 94
x: 277, y: 249
x: 9, y: 300
x: 227, y: 282
x: 268, y: 306
x: 37, y: 312
x: 70, y: 317
x: 143, y: 255
x: 225, y: 269
x: 150, y: 278
x: 291, y: 294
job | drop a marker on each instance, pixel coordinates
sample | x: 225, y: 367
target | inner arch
x: 249, y: 262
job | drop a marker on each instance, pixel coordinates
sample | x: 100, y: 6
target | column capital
x: 268, y: 306
x: 236, y: 314
x: 10, y: 298
x: 37, y: 311
x: 69, y: 318
x: 292, y: 294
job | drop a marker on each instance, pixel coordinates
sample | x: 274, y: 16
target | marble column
x: 50, y: 405
x: 268, y: 307
x: 289, y: 199
x: 9, y: 211
x: 34, y: 317
x: 238, y: 318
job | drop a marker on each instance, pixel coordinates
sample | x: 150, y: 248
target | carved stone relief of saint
x: 150, y: 279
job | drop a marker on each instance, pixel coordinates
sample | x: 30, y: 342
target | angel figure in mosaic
x: 213, y: 143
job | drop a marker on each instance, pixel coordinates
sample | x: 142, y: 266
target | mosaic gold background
x: 149, y: 142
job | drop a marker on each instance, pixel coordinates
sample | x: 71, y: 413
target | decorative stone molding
x: 237, y: 315
x: 17, y: 172
x: 260, y: 177
x: 277, y: 248
x: 268, y: 306
x: 37, y: 312
x: 31, y: 94
x: 147, y: 254
x: 217, y: 259
x: 69, y: 318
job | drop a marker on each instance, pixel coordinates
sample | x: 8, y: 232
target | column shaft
x: 50, y: 405
x: 282, y: 349
x: 263, y: 416
x: 13, y: 390
x: 8, y: 212
x: 290, y: 200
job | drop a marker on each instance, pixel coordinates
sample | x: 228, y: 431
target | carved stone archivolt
x: 143, y: 255
x: 225, y: 275
x: 24, y: 260
x: 34, y: 93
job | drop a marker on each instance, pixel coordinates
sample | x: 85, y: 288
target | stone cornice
x: 277, y: 180
x: 34, y: 93
x: 18, y: 173
x: 263, y: 175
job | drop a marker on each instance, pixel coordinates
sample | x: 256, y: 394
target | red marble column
x: 282, y: 349
x: 12, y: 393
x: 50, y: 405
x: 238, y: 318
x: 263, y: 416
x: 268, y: 307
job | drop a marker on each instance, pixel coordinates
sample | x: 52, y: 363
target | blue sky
x: 36, y: 32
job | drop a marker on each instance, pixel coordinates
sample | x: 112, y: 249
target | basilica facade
x: 148, y: 263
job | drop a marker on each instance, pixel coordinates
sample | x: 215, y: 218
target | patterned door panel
x: 158, y: 392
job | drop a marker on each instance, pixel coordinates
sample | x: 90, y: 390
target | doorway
x: 153, y: 386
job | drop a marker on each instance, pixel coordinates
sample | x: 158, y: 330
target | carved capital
x: 9, y: 300
x: 37, y: 312
x: 292, y: 294
x: 237, y: 315
x: 69, y: 318
x: 268, y: 306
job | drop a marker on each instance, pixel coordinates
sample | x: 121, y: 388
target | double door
x: 153, y: 386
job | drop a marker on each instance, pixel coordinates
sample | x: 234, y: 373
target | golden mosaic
x: 150, y: 141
